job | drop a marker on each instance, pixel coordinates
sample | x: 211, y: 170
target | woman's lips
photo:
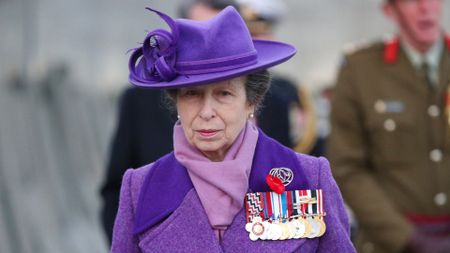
x: 207, y: 132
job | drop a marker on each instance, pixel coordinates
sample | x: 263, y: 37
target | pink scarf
x: 221, y: 186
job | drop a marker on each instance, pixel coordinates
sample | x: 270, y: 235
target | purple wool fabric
x: 202, y: 52
x: 221, y: 186
x: 177, y: 221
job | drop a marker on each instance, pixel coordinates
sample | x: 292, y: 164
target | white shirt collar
x: 432, y: 57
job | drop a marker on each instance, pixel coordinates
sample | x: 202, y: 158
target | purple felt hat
x: 202, y: 52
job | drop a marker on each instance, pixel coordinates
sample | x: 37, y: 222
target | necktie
x: 424, y: 72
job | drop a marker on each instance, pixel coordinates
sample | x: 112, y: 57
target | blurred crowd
x: 383, y: 122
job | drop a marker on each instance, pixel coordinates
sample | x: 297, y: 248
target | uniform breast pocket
x: 391, y: 138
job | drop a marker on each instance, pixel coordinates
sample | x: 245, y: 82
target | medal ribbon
x: 254, y: 205
x: 271, y: 205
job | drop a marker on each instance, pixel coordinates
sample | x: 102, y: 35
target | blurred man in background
x: 390, y: 139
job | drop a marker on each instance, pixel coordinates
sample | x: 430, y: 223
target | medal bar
x: 290, y: 215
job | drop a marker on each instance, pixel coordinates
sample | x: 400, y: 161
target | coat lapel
x: 270, y: 154
x: 187, y: 229
x: 166, y: 184
x: 444, y: 72
x: 444, y: 82
x: 404, y: 74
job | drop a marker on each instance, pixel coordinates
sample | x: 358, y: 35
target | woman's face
x: 213, y: 115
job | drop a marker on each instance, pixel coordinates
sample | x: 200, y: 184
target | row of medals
x: 296, y: 228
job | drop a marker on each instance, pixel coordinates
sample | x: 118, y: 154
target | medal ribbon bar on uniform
x: 279, y: 207
x: 254, y: 205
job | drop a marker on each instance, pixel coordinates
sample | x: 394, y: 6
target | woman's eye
x: 225, y: 93
x: 190, y: 93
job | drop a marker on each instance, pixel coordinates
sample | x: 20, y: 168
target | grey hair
x: 256, y: 86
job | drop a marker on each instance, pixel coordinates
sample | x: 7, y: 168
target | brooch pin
x: 279, y: 178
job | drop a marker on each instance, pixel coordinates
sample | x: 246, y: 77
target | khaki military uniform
x: 390, y: 145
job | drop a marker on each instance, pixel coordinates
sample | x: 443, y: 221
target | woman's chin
x: 208, y: 147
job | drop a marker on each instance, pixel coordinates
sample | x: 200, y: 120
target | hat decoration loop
x: 157, y: 56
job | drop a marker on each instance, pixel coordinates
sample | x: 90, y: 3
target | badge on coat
x: 282, y: 215
x: 389, y: 106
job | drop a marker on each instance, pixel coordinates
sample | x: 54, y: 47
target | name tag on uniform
x: 389, y: 106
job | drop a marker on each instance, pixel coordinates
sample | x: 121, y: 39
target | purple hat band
x: 195, y: 51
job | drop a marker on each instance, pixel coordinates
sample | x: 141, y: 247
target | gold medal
x: 275, y: 232
x: 299, y: 228
x: 323, y: 226
x: 315, y: 228
x: 285, y: 231
x: 292, y: 229
x: 307, y: 227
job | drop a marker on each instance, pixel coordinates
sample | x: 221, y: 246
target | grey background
x: 63, y: 64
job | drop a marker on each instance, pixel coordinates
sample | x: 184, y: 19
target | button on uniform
x: 368, y: 247
x: 440, y: 199
x: 434, y: 111
x: 390, y: 125
x: 436, y: 155
x: 380, y: 106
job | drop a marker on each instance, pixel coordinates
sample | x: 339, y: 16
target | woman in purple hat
x: 226, y: 187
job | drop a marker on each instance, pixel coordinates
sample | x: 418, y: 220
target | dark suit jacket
x: 143, y: 134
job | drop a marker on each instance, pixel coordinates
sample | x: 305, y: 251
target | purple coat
x: 160, y: 211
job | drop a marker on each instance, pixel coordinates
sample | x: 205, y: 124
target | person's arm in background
x: 348, y: 151
x: 120, y: 159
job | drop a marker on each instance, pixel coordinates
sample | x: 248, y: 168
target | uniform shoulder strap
x: 391, y: 48
x: 447, y: 41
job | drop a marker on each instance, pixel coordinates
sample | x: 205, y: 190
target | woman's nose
x: 207, y: 111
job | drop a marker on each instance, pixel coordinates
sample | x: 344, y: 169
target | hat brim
x: 270, y: 53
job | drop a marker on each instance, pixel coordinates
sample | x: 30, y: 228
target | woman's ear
x: 250, y: 109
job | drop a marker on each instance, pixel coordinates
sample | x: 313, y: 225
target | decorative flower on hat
x: 157, y: 54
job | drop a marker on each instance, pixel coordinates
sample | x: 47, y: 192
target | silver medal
x: 315, y: 228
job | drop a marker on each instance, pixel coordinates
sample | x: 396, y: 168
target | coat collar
x: 392, y: 48
x: 168, y: 182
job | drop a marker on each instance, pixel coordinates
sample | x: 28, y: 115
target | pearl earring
x: 178, y: 116
x: 251, y: 115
